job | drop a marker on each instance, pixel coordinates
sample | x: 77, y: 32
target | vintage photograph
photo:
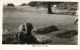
x: 40, y: 22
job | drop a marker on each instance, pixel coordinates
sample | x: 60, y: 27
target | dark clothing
x: 76, y: 21
x: 29, y: 39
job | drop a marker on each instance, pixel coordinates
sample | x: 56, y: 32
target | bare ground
x: 13, y: 17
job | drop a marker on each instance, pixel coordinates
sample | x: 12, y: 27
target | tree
x: 33, y: 4
x: 49, y: 8
x: 10, y: 4
x: 48, y: 5
x: 23, y: 4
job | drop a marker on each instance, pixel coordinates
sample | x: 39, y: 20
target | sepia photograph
x: 40, y: 22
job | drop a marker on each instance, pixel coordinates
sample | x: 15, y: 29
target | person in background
x: 76, y: 19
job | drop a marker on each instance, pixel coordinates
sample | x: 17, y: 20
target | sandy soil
x: 15, y: 16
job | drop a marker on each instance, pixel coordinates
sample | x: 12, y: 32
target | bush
x: 23, y: 4
x: 10, y: 4
x: 33, y: 4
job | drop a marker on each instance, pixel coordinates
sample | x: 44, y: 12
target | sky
x: 16, y: 2
x: 19, y: 2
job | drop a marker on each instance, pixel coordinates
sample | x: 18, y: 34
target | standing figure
x: 76, y: 19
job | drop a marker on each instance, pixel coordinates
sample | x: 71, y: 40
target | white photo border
x: 39, y: 47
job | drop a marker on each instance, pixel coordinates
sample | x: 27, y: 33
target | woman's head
x: 29, y: 28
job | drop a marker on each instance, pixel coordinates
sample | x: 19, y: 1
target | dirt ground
x: 15, y: 16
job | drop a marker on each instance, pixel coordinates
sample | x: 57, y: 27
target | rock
x: 46, y: 29
x: 43, y: 38
x: 67, y: 34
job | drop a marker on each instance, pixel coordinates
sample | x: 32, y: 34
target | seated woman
x: 25, y: 35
